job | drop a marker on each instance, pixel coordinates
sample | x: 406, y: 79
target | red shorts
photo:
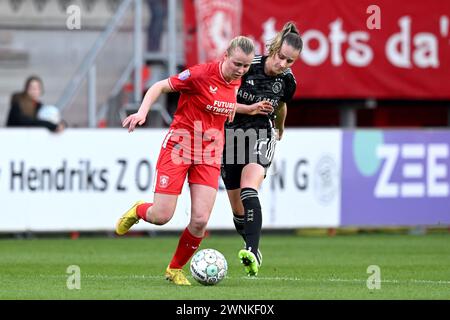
x: 170, y: 174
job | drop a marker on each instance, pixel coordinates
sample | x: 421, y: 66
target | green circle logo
x: 365, y: 145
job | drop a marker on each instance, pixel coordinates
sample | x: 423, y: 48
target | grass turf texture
x: 294, y: 267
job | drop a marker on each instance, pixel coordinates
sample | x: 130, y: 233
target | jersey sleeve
x: 291, y: 86
x: 186, y: 80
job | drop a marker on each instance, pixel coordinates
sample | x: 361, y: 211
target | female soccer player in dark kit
x: 250, y: 138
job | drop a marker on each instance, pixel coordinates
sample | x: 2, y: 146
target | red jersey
x: 205, y: 102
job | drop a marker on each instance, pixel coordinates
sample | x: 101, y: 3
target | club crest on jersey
x: 163, y: 181
x: 184, y: 75
x: 276, y: 87
x: 212, y: 89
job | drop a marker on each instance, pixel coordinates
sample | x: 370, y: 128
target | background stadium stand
x: 34, y: 40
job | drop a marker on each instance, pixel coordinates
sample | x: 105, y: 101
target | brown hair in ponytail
x: 288, y: 34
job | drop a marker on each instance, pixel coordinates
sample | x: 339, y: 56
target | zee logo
x: 419, y: 162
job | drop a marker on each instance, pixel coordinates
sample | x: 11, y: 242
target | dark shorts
x: 244, y: 147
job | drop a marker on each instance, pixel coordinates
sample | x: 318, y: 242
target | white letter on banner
x: 413, y: 170
x: 337, y: 38
x: 436, y: 171
x: 383, y: 188
x: 401, y: 39
x: 318, y: 56
x: 359, y: 54
x: 426, y: 50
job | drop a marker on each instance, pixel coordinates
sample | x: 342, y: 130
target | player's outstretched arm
x: 150, y: 97
x: 262, y: 107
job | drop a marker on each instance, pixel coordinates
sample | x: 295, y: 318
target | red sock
x: 186, y: 248
x: 141, y: 210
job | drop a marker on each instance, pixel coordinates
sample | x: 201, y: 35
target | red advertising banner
x: 352, y: 49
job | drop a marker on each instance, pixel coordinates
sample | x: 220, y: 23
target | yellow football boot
x: 177, y: 276
x: 128, y: 219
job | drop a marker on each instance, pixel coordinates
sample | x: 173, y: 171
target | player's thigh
x: 164, y: 206
x: 252, y: 176
x: 202, y: 202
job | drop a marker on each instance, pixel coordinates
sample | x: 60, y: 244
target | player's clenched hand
x: 262, y: 107
x: 133, y: 120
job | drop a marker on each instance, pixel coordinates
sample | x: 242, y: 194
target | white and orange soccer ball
x: 208, y: 267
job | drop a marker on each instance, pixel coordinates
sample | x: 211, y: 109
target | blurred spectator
x: 158, y: 12
x: 27, y: 109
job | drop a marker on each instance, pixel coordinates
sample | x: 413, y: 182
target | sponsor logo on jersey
x: 250, y: 82
x: 221, y: 107
x: 184, y: 75
x: 212, y: 89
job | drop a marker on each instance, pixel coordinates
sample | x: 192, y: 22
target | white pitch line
x: 347, y: 280
x: 102, y: 276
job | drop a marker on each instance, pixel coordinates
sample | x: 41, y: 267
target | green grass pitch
x: 294, y: 267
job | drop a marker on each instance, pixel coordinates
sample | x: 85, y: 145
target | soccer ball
x: 208, y: 266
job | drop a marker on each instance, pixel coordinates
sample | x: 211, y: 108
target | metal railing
x: 88, y: 69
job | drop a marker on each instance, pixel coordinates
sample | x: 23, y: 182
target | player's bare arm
x: 150, y: 97
x: 280, y: 118
x: 261, y: 107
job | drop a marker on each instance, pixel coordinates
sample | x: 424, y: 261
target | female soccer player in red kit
x: 193, y: 147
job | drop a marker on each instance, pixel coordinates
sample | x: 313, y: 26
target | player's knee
x: 160, y: 221
x: 199, y: 223
x: 161, y: 216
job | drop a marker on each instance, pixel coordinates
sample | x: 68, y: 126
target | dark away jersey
x: 257, y: 86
